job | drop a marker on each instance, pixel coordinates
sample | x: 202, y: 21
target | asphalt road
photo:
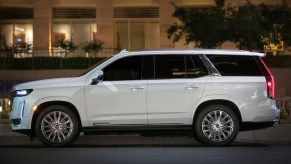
x: 134, y: 149
x: 238, y: 153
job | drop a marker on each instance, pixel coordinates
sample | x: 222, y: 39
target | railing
x: 52, y: 59
x: 56, y: 52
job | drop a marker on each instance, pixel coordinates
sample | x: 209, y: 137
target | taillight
x: 270, y: 86
x: 270, y: 82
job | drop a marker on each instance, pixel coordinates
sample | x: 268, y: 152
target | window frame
x: 151, y: 65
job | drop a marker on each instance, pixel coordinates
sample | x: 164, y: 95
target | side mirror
x: 96, y: 80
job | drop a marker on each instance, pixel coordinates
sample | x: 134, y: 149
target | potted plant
x: 93, y: 47
x: 66, y: 46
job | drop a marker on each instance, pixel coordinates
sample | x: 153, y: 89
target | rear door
x: 241, y: 78
x: 179, y: 82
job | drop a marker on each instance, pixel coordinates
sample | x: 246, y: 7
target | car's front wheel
x: 216, y: 125
x: 57, y: 126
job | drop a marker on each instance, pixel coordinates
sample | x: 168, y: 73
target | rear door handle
x: 191, y: 87
x: 135, y: 88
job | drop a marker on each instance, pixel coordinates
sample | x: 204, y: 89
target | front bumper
x: 23, y: 131
x: 19, y: 113
x: 15, y: 122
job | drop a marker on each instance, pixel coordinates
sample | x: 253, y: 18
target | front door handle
x: 135, y: 88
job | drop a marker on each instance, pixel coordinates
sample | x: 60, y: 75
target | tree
x: 250, y: 27
x: 245, y: 27
x: 206, y: 27
x: 277, y: 22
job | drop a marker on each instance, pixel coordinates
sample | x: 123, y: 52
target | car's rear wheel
x: 216, y: 125
x: 57, y: 126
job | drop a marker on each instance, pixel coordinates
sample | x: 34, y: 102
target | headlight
x: 20, y: 93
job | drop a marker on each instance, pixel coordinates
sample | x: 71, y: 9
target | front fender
x: 80, y: 108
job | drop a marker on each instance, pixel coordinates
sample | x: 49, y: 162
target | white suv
x: 212, y: 94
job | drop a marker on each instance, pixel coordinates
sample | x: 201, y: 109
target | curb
x: 264, y: 142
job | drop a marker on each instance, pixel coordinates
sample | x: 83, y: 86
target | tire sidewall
x: 43, y: 113
x: 198, y: 125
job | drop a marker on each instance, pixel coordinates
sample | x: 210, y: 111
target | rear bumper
x: 258, y: 125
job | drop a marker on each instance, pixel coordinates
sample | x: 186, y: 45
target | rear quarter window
x: 233, y: 65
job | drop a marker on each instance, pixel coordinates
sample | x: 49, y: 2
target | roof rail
x: 122, y: 51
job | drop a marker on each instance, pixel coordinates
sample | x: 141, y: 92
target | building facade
x: 124, y: 24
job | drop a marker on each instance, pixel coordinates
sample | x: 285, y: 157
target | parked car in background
x: 210, y: 94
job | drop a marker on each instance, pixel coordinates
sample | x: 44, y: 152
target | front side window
x: 128, y: 68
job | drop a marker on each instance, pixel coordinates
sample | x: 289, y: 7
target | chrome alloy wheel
x: 57, y: 126
x: 217, y: 126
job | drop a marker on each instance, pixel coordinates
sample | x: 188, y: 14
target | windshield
x: 94, y: 66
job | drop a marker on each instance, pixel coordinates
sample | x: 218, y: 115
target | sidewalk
x: 280, y: 134
x: 4, y: 121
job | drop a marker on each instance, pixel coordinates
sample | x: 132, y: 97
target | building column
x: 42, y: 20
x: 104, y: 20
x: 166, y: 20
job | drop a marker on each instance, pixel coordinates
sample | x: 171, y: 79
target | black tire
x: 57, y: 126
x: 221, y: 130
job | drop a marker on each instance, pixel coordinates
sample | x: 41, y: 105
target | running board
x: 136, y: 129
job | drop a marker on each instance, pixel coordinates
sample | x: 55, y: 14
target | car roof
x: 193, y: 51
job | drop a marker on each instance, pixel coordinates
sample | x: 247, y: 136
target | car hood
x: 58, y: 82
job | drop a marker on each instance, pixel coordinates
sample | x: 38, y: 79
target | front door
x: 120, y: 99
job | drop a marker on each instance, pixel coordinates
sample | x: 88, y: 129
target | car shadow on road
x: 235, y: 144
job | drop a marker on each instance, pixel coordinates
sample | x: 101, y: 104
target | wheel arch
x: 44, y: 105
x: 227, y: 103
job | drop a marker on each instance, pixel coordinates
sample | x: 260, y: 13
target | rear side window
x: 230, y: 65
x: 179, y: 66
x: 148, y: 67
x: 169, y: 67
x: 195, y: 67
